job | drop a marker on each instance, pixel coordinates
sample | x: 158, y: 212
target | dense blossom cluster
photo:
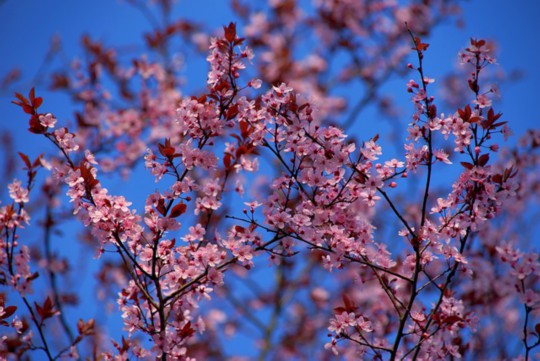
x: 365, y: 267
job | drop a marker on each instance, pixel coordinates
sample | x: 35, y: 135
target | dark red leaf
x: 37, y: 161
x: 202, y: 99
x: 187, y: 331
x: 419, y: 45
x: 230, y: 32
x: 8, y: 311
x: 85, y: 328
x: 244, y: 129
x: 473, y: 85
x: 166, y: 149
x: 432, y: 111
x: 35, y: 126
x: 465, y: 114
x: 39, y: 310
x: 161, y: 207
x: 492, y: 116
x: 450, y: 320
x: 349, y: 304
x: 484, y: 158
x: 26, y: 160
x: 178, y: 210
x: 37, y: 102
x: 227, y: 161
x: 28, y: 109
x: 497, y: 178
x: 22, y: 99
x: 498, y: 124
x: 232, y: 111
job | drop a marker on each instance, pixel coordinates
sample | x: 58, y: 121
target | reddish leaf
x: 239, y: 41
x: 474, y: 119
x: 178, y: 210
x: 432, y: 111
x: 420, y: 46
x: 473, y: 85
x: 37, y: 161
x: 492, y: 116
x: 33, y: 276
x: 465, y: 114
x: 35, y: 101
x: 450, y: 320
x: 35, y: 125
x: 86, y: 328
x: 202, y: 99
x: 22, y: 99
x: 496, y: 125
x: 187, y: 331
x: 227, y: 161
x: 244, y: 129
x: 497, y: 178
x: 125, y: 345
x: 161, y: 207
x: 230, y: 32
x: 86, y: 174
x: 12, y: 344
x: 232, y: 111
x: 241, y: 151
x: 26, y: 160
x: 8, y: 311
x: 484, y: 158
x: 349, y: 304
x: 28, y: 109
x: 166, y: 149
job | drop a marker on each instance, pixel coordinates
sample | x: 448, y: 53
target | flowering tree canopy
x: 273, y: 228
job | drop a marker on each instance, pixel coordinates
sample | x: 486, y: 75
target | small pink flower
x: 18, y: 193
x: 530, y: 298
x: 441, y: 156
x: 253, y: 205
x: 66, y: 140
x: 255, y: 83
x: 482, y: 101
x: 47, y: 120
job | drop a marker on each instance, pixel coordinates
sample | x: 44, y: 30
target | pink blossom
x: 482, y: 101
x: 66, y: 140
x: 18, y: 193
x: 47, y: 120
